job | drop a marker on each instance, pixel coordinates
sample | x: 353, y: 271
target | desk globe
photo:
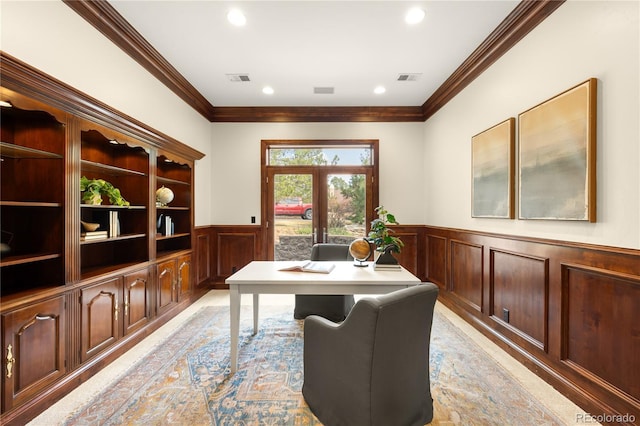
x: 360, y: 250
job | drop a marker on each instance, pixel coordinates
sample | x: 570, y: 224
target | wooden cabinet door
x: 33, y: 350
x: 167, y: 280
x: 184, y: 276
x: 101, y: 316
x: 137, y: 308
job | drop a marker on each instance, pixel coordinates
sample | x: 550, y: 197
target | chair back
x: 373, y: 368
x: 400, y: 373
x: 330, y: 251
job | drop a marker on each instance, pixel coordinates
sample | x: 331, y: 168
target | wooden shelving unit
x: 71, y: 304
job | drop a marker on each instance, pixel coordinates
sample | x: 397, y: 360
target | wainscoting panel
x: 572, y: 309
x: 232, y: 247
x: 409, y: 255
x: 437, y: 260
x: 519, y: 289
x: 466, y: 273
x: 602, y: 331
x: 203, y: 257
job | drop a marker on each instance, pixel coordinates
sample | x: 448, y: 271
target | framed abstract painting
x: 492, y: 164
x: 557, y: 156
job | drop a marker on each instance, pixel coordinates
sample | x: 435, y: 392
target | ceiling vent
x: 323, y: 90
x: 409, y: 77
x: 238, y: 77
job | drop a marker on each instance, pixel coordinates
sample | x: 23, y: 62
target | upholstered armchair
x: 373, y: 368
x: 332, y: 307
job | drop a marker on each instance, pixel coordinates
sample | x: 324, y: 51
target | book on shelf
x: 114, y: 224
x: 165, y: 225
x: 311, y: 266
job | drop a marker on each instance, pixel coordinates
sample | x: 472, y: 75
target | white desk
x: 265, y: 277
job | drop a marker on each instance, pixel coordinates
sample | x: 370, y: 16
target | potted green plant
x: 380, y: 233
x: 93, y: 190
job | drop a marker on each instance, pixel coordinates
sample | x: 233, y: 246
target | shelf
x: 93, y: 272
x: 10, y: 150
x: 164, y: 180
x: 29, y: 258
x: 112, y: 239
x: 28, y: 204
x: 92, y: 167
x: 111, y: 207
x: 169, y: 237
x: 173, y: 208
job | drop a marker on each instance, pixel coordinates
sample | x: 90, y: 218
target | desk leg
x: 235, y: 326
x: 256, y: 308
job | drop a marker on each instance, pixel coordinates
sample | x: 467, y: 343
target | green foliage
x: 355, y: 192
x: 295, y: 185
x: 380, y: 234
x: 93, y: 190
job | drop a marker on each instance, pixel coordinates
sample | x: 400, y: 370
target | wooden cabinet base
x: 32, y: 407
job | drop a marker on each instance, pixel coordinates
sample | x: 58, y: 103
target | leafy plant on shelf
x: 94, y: 189
x: 380, y: 233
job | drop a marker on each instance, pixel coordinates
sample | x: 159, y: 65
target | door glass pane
x: 346, y: 203
x: 293, y: 219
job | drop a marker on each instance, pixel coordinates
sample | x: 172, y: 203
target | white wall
x: 51, y: 37
x: 425, y: 167
x: 581, y: 39
x: 235, y: 189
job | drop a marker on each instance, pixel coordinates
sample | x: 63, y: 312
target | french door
x: 306, y: 205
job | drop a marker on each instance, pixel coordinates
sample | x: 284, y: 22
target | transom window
x: 342, y: 155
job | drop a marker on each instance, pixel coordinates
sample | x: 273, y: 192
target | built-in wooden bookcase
x: 32, y: 213
x: 70, y: 304
x: 124, y: 163
x: 176, y: 175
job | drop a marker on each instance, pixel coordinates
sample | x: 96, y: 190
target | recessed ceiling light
x: 267, y: 90
x: 414, y: 16
x: 236, y: 17
x: 379, y: 90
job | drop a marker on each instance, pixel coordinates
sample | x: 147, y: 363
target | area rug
x: 186, y: 381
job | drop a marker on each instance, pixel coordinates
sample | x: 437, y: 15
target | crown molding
x: 525, y: 17
x: 109, y: 22
x: 317, y: 114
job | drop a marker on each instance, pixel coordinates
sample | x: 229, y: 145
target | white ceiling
x: 294, y: 46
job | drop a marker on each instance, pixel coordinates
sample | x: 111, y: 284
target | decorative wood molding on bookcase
x: 18, y: 76
x: 524, y: 18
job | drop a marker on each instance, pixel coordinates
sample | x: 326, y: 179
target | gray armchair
x: 372, y: 369
x: 333, y: 307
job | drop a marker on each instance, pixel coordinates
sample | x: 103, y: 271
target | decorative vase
x: 386, y: 258
x: 92, y: 199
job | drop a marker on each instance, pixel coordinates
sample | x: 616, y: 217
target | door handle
x: 315, y: 235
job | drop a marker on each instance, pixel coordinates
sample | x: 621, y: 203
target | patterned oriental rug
x: 185, y: 380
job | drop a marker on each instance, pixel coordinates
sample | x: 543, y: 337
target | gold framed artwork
x: 557, y: 156
x: 492, y: 164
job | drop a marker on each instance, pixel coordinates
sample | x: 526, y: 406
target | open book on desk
x: 311, y: 266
